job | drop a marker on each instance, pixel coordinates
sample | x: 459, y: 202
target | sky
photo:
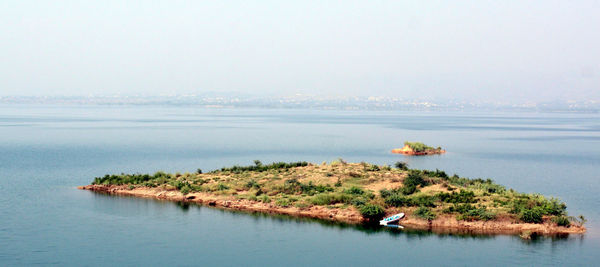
x: 462, y: 50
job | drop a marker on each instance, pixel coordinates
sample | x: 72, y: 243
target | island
x: 418, y: 149
x: 357, y: 193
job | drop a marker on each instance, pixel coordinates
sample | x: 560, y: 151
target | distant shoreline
x: 347, y: 103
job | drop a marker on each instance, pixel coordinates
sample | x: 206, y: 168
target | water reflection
x: 368, y: 229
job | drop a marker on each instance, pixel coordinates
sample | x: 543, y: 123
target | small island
x: 357, y: 193
x: 418, y: 149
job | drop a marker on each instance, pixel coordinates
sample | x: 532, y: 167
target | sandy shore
x: 348, y: 215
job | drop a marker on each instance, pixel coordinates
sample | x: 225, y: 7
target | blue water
x: 46, y: 151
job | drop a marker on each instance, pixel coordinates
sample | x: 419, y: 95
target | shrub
x: 199, y: 171
x: 562, y: 221
x: 301, y: 205
x: 252, y: 184
x: 401, y: 165
x: 414, y: 179
x: 331, y: 198
x: 283, y: 202
x: 264, y: 199
x: 554, y: 207
x: 338, y: 183
x: 533, y: 215
x: 469, y: 212
x: 221, y: 187
x: 463, y: 196
x: 262, y: 168
x: 397, y: 200
x: 185, y: 190
x: 547, y: 207
x: 371, y: 168
x: 425, y: 213
x: 293, y: 186
x: 372, y: 212
x: 354, y: 191
x: 408, y: 190
x: 418, y: 146
x: 436, y: 173
x: 385, y: 193
x: 137, y: 178
x: 424, y: 201
x: 359, y: 201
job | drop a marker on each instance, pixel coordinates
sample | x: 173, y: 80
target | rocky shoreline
x: 442, y: 224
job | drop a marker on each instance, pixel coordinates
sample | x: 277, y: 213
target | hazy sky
x: 473, y: 50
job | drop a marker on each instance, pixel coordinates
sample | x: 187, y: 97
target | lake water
x: 46, y: 151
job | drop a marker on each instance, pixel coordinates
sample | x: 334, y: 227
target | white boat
x: 392, y: 219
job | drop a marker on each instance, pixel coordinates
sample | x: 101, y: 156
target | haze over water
x: 46, y: 151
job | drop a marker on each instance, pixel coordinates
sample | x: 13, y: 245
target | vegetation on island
x: 420, y: 147
x: 374, y: 190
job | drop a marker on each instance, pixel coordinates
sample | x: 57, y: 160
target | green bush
x: 405, y: 190
x: 533, y: 215
x: 468, y: 212
x: 331, y: 198
x: 371, y: 168
x: 561, y: 221
x: 372, y: 211
x: 397, y: 200
x: 552, y: 206
x: 130, y: 178
x: 414, y: 178
x: 283, y: 202
x: 221, y: 187
x: 252, y: 184
x: 418, y: 146
x: 436, y: 173
x: 385, y: 193
x: 408, y: 190
x: 424, y: 201
x: 264, y: 199
x: 463, y: 196
x: 425, y: 213
x: 293, y: 186
x: 401, y: 165
x: 259, y: 167
x: 354, y: 191
x: 185, y: 190
x: 359, y: 201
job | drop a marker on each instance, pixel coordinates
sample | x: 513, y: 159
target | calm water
x: 46, y: 151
